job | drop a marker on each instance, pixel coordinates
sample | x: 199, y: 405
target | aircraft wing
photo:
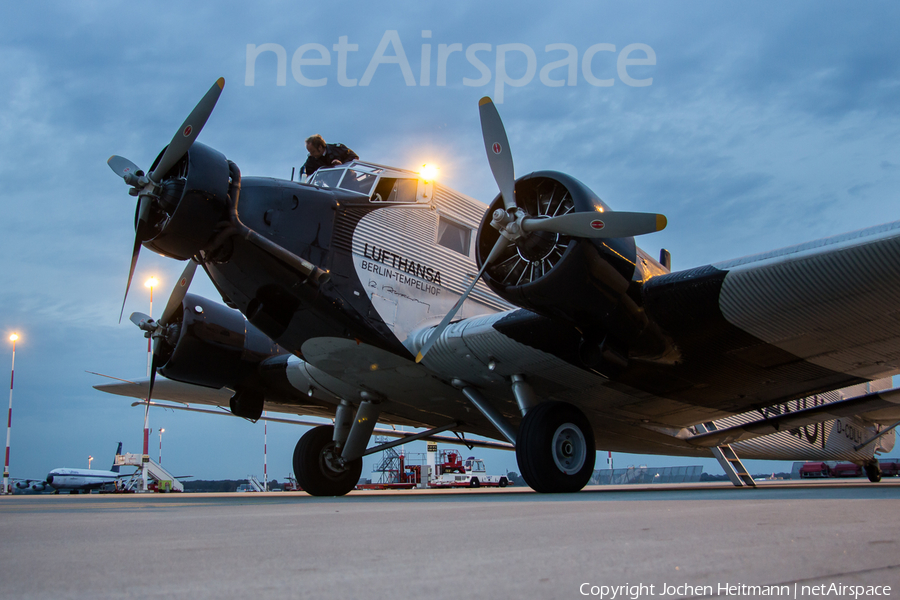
x: 830, y: 303
x: 886, y: 405
x: 184, y: 395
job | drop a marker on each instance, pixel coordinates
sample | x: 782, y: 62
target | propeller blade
x: 134, y: 259
x: 179, y: 292
x: 143, y: 216
x: 189, y: 131
x: 121, y: 166
x: 152, y: 374
x: 599, y: 225
x: 499, y: 155
x: 499, y: 246
x: 140, y: 236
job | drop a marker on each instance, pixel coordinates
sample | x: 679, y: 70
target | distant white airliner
x: 75, y: 480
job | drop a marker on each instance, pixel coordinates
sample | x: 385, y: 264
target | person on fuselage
x: 325, y: 155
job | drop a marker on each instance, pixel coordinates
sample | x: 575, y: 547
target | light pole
x: 265, y: 453
x: 90, y: 460
x: 12, y: 373
x: 161, y: 431
x: 150, y: 283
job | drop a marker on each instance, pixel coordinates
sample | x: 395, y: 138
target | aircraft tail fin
x: 115, y: 467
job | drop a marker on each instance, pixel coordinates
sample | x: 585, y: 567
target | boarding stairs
x: 165, y: 481
x: 729, y: 460
x: 257, y: 486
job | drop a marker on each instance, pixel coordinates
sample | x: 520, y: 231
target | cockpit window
x: 392, y: 189
x: 327, y: 178
x: 358, y: 181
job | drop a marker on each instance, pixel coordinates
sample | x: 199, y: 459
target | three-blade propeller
x: 514, y: 223
x: 158, y: 330
x: 145, y: 187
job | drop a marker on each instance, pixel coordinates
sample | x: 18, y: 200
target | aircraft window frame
x: 397, y: 195
x: 456, y: 226
x: 332, y: 178
x: 363, y: 179
x: 322, y: 178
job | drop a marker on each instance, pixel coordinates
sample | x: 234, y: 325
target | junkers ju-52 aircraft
x: 370, y: 294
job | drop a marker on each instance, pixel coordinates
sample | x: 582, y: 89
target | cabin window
x: 392, y: 189
x: 454, y: 236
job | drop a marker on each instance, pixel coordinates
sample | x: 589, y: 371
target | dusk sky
x: 751, y: 126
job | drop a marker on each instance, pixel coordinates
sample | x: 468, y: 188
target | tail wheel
x: 873, y: 471
x: 555, y: 448
x: 316, y: 467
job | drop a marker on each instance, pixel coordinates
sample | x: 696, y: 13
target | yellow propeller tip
x: 220, y: 82
x: 661, y: 222
x: 485, y: 100
x: 419, y: 358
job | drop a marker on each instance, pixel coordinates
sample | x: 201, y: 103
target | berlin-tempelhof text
x: 314, y: 65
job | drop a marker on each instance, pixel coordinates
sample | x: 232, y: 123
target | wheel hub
x: 569, y: 448
x: 331, y: 463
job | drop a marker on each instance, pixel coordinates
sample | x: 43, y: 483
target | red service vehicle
x: 890, y: 468
x: 453, y: 472
x: 814, y: 470
x: 847, y: 470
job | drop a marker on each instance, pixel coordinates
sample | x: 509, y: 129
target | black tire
x: 555, y: 448
x: 314, y: 474
x: 503, y: 482
x: 873, y: 472
x: 474, y: 482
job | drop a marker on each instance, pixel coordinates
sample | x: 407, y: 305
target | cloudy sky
x: 755, y: 126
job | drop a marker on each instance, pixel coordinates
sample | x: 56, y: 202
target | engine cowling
x: 192, y: 201
x: 214, y: 346
x: 584, y: 282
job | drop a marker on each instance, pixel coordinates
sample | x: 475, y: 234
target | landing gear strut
x: 555, y: 448
x: 318, y: 467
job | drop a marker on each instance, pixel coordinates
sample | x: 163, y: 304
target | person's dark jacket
x: 332, y: 152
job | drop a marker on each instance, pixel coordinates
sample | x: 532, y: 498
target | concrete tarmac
x: 512, y: 543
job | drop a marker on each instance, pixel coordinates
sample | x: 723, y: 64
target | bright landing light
x: 428, y: 172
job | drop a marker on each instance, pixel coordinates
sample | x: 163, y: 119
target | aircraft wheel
x: 555, y: 448
x: 316, y: 467
x: 873, y: 472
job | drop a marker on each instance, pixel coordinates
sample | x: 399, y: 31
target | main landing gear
x: 318, y: 467
x: 328, y: 459
x: 555, y: 448
x: 554, y: 443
